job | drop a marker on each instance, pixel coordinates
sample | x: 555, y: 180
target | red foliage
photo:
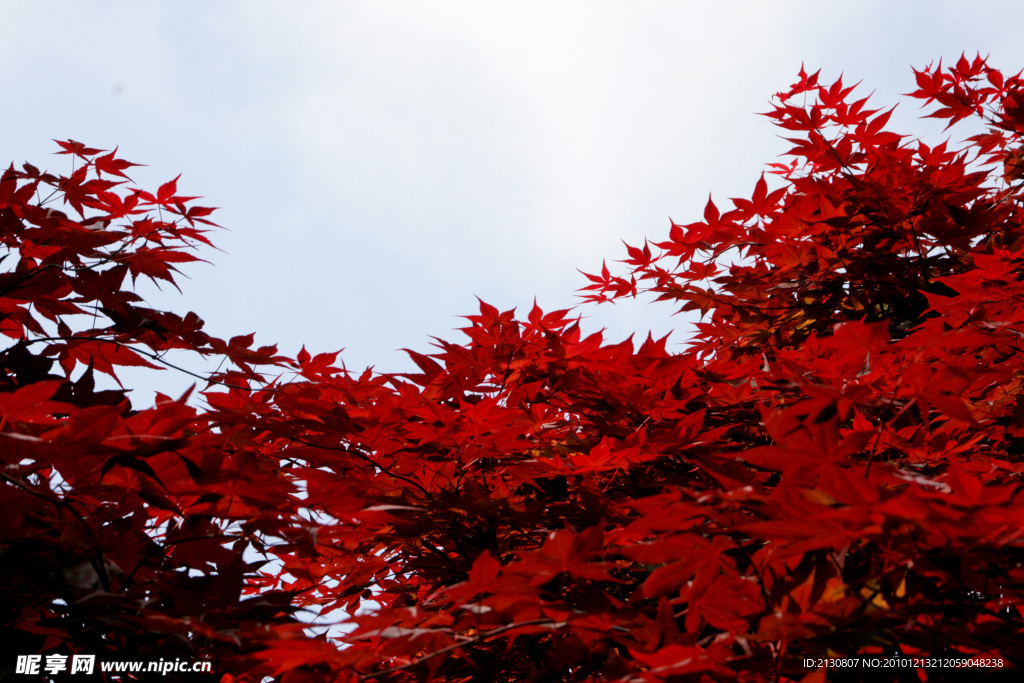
x: 831, y: 468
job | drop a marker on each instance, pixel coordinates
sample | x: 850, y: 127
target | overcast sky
x: 380, y: 164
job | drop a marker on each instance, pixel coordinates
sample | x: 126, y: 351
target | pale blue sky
x: 380, y: 163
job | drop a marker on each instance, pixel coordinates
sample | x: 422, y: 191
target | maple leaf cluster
x: 830, y: 468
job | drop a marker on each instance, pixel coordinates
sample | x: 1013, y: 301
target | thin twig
x: 456, y: 646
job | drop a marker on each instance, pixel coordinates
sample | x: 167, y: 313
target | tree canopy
x: 831, y: 467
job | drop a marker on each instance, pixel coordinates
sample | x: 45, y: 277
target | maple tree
x: 831, y: 467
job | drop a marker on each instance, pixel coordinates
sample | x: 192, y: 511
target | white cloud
x: 379, y: 163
